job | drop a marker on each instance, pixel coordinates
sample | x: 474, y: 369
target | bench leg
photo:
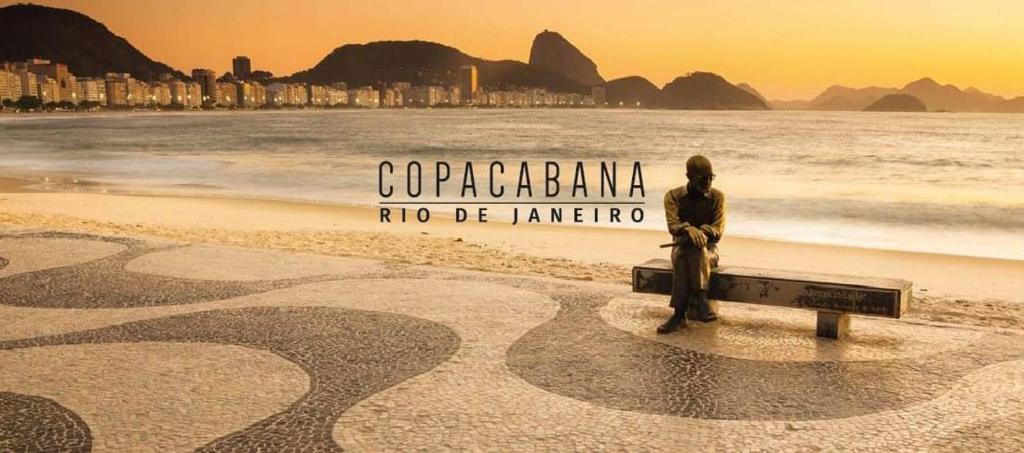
x: 833, y: 325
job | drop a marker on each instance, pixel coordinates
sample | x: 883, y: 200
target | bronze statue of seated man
x: 695, y: 214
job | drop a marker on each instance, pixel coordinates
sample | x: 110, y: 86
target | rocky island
x: 897, y: 102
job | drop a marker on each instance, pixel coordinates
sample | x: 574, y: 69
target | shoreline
x: 29, y: 181
x: 951, y: 288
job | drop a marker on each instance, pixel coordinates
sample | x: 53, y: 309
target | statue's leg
x: 701, y: 267
x: 680, y: 292
x: 681, y: 279
x: 700, y: 262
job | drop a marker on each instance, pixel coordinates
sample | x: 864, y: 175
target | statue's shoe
x: 674, y: 323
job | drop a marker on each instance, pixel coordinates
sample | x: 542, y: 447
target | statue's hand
x: 697, y: 237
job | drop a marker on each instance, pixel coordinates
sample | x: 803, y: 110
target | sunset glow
x: 786, y: 49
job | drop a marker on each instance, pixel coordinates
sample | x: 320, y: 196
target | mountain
x: 843, y: 103
x: 64, y: 36
x: 751, y: 90
x: 951, y: 98
x: 629, y: 91
x: 551, y: 51
x: 936, y: 96
x: 707, y: 91
x: 426, y: 63
x: 1015, y: 105
x: 838, y: 97
x: 897, y: 102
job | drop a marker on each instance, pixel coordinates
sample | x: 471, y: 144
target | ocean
x: 943, y: 183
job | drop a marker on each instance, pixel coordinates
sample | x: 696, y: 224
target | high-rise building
x: 228, y: 94
x: 92, y: 90
x: 454, y: 96
x: 139, y: 93
x: 426, y: 96
x: 49, y: 90
x: 389, y: 98
x: 364, y: 97
x: 10, y: 85
x: 251, y: 95
x: 117, y: 89
x: 65, y: 85
x: 244, y: 92
x: 71, y: 93
x: 160, y: 93
x: 259, y: 94
x: 193, y: 95
x: 277, y: 94
x: 287, y: 94
x: 317, y: 95
x: 207, y: 79
x: 178, y: 91
x: 298, y: 93
x: 468, y: 82
x: 598, y: 94
x: 29, y: 87
x: 336, y: 96
x: 242, y: 67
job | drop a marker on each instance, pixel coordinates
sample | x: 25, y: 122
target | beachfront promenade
x: 133, y: 344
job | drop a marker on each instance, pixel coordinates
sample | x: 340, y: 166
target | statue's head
x: 699, y: 173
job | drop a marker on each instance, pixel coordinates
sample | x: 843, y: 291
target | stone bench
x: 834, y: 297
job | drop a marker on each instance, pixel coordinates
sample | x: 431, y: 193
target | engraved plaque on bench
x: 821, y: 292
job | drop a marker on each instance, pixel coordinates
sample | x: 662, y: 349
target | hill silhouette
x: 1015, y: 105
x: 749, y: 89
x: 72, y: 38
x: 897, y: 102
x: 427, y: 63
x: 935, y: 95
x: 552, y: 51
x: 629, y: 91
x: 707, y: 91
x: 951, y: 98
x: 838, y: 97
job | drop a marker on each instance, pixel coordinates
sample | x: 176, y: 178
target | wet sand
x: 948, y: 288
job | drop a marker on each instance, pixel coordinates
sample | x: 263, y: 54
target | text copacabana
x: 602, y: 181
x: 604, y: 187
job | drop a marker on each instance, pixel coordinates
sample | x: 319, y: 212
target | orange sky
x: 785, y: 49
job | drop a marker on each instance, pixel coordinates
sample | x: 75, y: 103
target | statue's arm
x: 716, y: 227
x: 675, y: 225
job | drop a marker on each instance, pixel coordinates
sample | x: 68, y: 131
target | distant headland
x: 936, y: 98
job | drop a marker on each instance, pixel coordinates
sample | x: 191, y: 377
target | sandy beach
x: 956, y: 289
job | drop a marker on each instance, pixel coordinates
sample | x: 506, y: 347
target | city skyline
x: 792, y: 50
x: 43, y: 85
